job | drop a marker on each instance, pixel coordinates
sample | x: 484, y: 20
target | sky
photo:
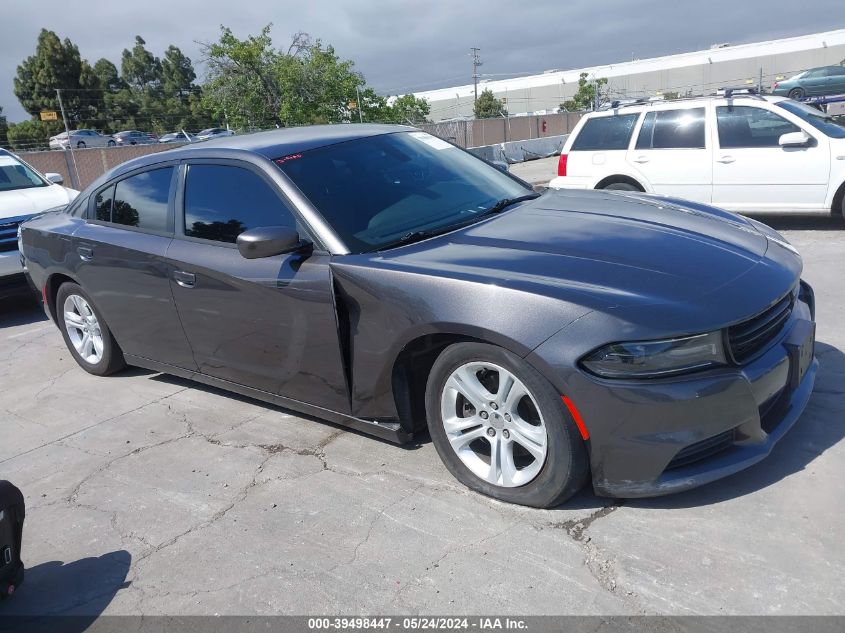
x: 407, y: 45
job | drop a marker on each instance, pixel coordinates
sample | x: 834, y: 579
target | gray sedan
x: 386, y: 280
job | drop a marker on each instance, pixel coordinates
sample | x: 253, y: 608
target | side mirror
x: 54, y: 178
x: 267, y: 241
x: 793, y: 139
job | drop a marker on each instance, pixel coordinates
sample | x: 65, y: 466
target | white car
x: 213, y: 132
x: 81, y: 139
x: 23, y: 193
x: 741, y: 152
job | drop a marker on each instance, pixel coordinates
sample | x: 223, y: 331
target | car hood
x: 20, y: 202
x: 606, y: 250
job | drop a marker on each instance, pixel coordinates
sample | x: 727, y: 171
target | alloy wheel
x: 83, y: 329
x: 493, y: 424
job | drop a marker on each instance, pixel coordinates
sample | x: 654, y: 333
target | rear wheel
x: 80, y: 145
x: 621, y: 186
x: 86, y: 333
x: 796, y: 93
x: 501, y: 429
x: 111, y: 143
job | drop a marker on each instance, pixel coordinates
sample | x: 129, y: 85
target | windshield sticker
x: 431, y: 141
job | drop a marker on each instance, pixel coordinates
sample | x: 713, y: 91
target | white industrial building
x: 700, y: 72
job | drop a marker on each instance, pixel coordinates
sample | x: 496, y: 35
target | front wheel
x: 501, y: 428
x: 86, y: 333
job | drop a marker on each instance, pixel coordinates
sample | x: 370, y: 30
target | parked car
x: 24, y: 193
x: 213, y: 132
x: 176, y: 137
x: 81, y: 139
x: 134, y: 137
x: 826, y: 80
x: 743, y: 153
x: 386, y: 280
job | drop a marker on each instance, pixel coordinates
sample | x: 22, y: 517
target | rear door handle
x: 725, y: 159
x: 85, y: 254
x: 186, y: 280
x: 641, y: 159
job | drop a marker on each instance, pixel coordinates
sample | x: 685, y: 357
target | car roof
x: 634, y: 108
x: 271, y: 144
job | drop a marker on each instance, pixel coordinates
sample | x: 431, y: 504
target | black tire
x: 565, y: 470
x: 80, y: 145
x: 112, y: 359
x: 621, y: 186
x: 796, y: 93
x: 111, y: 143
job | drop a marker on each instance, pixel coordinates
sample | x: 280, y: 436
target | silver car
x: 81, y: 139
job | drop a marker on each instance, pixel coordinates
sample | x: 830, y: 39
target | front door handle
x: 641, y: 159
x: 186, y: 280
x: 725, y: 159
x: 86, y: 254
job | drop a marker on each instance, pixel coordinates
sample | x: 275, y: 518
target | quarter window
x: 142, y: 200
x: 221, y: 202
x: 102, y: 204
x: 746, y: 126
x: 606, y: 133
x: 672, y: 129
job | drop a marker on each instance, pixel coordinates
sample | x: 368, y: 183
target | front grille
x: 9, y: 232
x: 748, y: 338
x: 703, y: 449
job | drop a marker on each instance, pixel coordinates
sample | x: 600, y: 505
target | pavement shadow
x: 20, y: 311
x: 821, y: 427
x: 67, y: 597
x: 800, y: 222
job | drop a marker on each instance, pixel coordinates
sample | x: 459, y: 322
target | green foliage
x: 487, y: 106
x: 32, y: 134
x: 56, y: 64
x: 4, y: 128
x: 585, y: 97
x: 108, y: 76
x: 139, y: 67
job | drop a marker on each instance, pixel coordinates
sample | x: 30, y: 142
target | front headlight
x: 645, y: 359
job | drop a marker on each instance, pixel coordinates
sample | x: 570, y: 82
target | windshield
x: 373, y: 191
x: 15, y: 175
x: 831, y: 126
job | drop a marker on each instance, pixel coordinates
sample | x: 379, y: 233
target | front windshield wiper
x: 504, y: 203
x: 411, y: 237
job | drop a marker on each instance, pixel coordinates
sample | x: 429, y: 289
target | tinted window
x: 142, y: 200
x: 373, y: 191
x: 832, y: 126
x: 835, y: 71
x: 102, y: 204
x: 745, y: 126
x: 16, y: 175
x: 676, y: 129
x: 221, y: 202
x: 606, y: 132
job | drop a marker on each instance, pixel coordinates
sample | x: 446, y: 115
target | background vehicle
x: 23, y: 193
x: 826, y: 80
x: 743, y: 153
x: 176, y: 137
x: 381, y: 278
x: 213, y: 132
x: 81, y: 139
x: 134, y: 137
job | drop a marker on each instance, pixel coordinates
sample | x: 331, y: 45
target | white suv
x: 742, y: 153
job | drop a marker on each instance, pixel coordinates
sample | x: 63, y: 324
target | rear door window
x: 672, y: 129
x: 605, y: 133
x: 142, y: 201
x: 103, y: 203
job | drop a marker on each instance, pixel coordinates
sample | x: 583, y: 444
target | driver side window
x: 747, y: 126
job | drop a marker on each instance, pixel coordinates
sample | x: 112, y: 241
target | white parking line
x: 33, y: 331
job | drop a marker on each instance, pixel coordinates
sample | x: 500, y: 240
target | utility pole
x: 476, y: 62
x: 69, y: 144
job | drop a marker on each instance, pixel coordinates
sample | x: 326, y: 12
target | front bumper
x: 660, y: 436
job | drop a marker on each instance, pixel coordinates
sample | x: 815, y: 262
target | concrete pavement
x: 152, y: 495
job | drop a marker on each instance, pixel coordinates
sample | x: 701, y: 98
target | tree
x: 177, y: 72
x: 4, y: 128
x: 409, y: 109
x: 487, y: 105
x: 108, y: 75
x: 32, y: 134
x: 585, y: 97
x: 139, y: 67
x: 57, y: 64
